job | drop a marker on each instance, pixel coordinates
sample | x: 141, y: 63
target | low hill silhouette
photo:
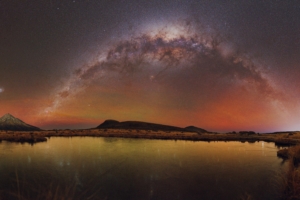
x: 9, y: 122
x: 113, y: 124
x: 196, y: 129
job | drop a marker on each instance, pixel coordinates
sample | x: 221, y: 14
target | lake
x: 118, y: 168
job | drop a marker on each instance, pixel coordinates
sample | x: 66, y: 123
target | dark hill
x: 113, y: 124
x: 195, y: 129
x: 136, y: 125
x: 109, y: 124
x: 9, y: 122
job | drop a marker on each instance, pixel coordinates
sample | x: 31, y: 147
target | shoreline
x: 291, y: 180
x: 280, y: 139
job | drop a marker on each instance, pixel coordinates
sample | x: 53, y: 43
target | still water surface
x: 115, y: 168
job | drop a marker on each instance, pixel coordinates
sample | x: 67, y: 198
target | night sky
x: 216, y: 64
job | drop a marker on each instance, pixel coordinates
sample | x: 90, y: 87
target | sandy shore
x: 281, y: 139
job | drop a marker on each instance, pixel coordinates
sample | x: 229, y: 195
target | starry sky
x: 216, y: 64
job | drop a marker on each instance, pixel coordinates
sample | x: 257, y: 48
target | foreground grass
x: 49, y: 185
x: 292, y: 178
x: 49, y: 192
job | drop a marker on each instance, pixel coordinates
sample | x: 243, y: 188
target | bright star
x: 1, y: 90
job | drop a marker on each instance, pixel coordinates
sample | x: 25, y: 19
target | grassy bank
x: 292, y: 178
x: 280, y: 139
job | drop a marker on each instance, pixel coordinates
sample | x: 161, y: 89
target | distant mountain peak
x: 7, y: 115
x: 9, y: 122
x: 8, y: 118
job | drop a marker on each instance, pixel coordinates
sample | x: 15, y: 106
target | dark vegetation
x: 282, y: 140
x: 247, y: 132
x: 291, y: 190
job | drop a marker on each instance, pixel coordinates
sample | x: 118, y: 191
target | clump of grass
x: 294, y: 154
x: 292, y: 183
x: 292, y: 179
x: 246, y: 196
x: 48, y: 186
x: 283, y: 153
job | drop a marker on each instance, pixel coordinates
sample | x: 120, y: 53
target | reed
x: 48, y: 186
x: 291, y: 182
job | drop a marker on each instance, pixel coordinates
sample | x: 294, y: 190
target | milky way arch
x: 170, y: 50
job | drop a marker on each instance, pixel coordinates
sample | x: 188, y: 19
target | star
x: 137, y: 60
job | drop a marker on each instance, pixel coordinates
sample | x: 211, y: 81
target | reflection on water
x: 113, y: 168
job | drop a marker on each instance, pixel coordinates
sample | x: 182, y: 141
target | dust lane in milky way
x: 220, y: 66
